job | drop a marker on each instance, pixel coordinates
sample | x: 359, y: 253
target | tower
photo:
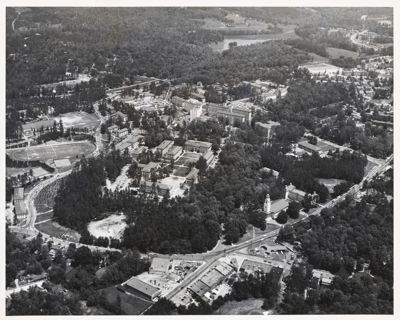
x: 267, y: 204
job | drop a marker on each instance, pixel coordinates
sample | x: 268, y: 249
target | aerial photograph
x: 198, y: 161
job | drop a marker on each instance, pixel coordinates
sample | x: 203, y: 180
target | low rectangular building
x: 309, y: 147
x: 251, y: 266
x: 18, y: 194
x: 197, y: 146
x: 164, y: 146
x: 142, y: 288
x: 173, y: 153
x: 123, y: 133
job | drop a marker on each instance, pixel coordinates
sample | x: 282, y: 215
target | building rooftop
x: 268, y: 125
x: 212, y: 278
x: 165, y: 144
x: 199, y: 143
x: 310, y: 146
x: 251, y: 265
x: 18, y: 193
x: 142, y: 287
x: 150, y: 166
x: 279, y: 205
x: 174, y: 150
x: 199, y: 288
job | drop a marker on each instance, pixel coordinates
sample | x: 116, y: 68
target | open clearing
x: 112, y: 226
x: 330, y: 183
x: 78, y: 120
x: 53, y: 151
x: 44, y: 216
x: 175, y: 184
x: 336, y: 53
x: 130, y: 304
x: 53, y: 229
x: 249, y: 306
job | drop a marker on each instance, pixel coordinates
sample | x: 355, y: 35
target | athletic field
x: 52, y: 151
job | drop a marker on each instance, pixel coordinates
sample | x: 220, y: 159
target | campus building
x: 148, y: 169
x: 211, y: 279
x: 310, y: 147
x: 164, y: 146
x: 197, y: 146
x: 273, y: 208
x: 232, y: 112
x: 143, y: 289
x: 173, y: 153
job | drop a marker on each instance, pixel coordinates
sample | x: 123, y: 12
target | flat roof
x: 151, y: 165
x: 224, y: 269
x: 20, y: 207
x: 142, y: 286
x: 198, y: 143
x: 165, y: 144
x: 268, y: 125
x: 18, y: 193
x: 254, y: 265
x: 199, y: 288
x: 212, y: 278
x: 279, y: 205
x: 309, y: 146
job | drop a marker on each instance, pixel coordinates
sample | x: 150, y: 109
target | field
x: 53, y: 151
x: 112, y: 226
x: 79, y: 120
x: 130, y: 304
x: 245, y: 307
x: 54, y: 229
x: 336, y: 53
x: 320, y: 67
x: 45, y: 199
x: 44, y: 217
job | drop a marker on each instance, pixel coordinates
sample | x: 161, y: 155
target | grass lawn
x: 44, y: 216
x: 54, y: 229
x: 52, y: 152
x: 245, y: 307
x: 336, y: 53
